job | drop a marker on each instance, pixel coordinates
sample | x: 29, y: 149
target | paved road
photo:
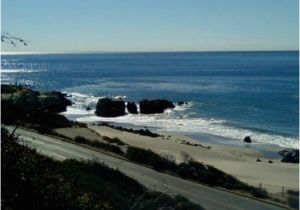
x: 207, y: 197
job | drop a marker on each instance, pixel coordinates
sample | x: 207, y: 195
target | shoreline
x: 212, y: 129
x: 267, y: 149
x: 239, y: 161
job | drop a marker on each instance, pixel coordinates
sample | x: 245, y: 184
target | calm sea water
x: 231, y: 94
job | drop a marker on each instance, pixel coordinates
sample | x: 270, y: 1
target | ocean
x: 229, y: 94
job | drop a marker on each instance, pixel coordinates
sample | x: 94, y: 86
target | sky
x: 151, y: 25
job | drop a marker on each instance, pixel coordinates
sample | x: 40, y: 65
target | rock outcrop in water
x: 180, y: 103
x: 54, y: 101
x: 290, y: 155
x: 26, y: 100
x: 107, y: 107
x: 247, y: 139
x: 132, y: 108
x: 155, y: 106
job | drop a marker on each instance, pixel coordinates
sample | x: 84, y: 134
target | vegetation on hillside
x: 192, y: 170
x: 189, y: 169
x: 32, y: 181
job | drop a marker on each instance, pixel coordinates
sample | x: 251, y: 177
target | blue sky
x: 151, y: 25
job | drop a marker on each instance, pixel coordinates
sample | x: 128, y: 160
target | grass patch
x: 150, y: 158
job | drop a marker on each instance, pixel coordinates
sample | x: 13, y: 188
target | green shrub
x: 293, y: 192
x: 108, y: 147
x: 106, y: 138
x: 206, y: 174
x: 293, y: 198
x: 117, y: 141
x: 43, y: 129
x: 50, y: 120
x: 114, y: 140
x: 80, y: 139
x: 100, y: 145
x: 259, y: 193
x: 149, y: 158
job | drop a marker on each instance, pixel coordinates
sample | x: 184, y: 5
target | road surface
x: 207, y: 197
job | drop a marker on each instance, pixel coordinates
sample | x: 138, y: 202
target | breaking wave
x: 178, y: 119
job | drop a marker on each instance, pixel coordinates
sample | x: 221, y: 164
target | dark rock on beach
x: 107, y: 107
x: 132, y: 108
x: 155, y: 106
x: 247, y: 139
x: 290, y: 155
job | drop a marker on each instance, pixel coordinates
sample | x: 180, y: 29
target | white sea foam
x: 195, y: 125
x: 78, y: 111
x: 178, y: 119
x: 119, y: 97
x: 184, y: 106
x: 19, y: 71
x: 82, y: 101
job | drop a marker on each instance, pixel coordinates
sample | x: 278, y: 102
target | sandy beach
x: 238, y: 161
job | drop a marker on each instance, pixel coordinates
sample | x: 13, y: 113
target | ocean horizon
x: 138, y: 52
x: 231, y: 94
